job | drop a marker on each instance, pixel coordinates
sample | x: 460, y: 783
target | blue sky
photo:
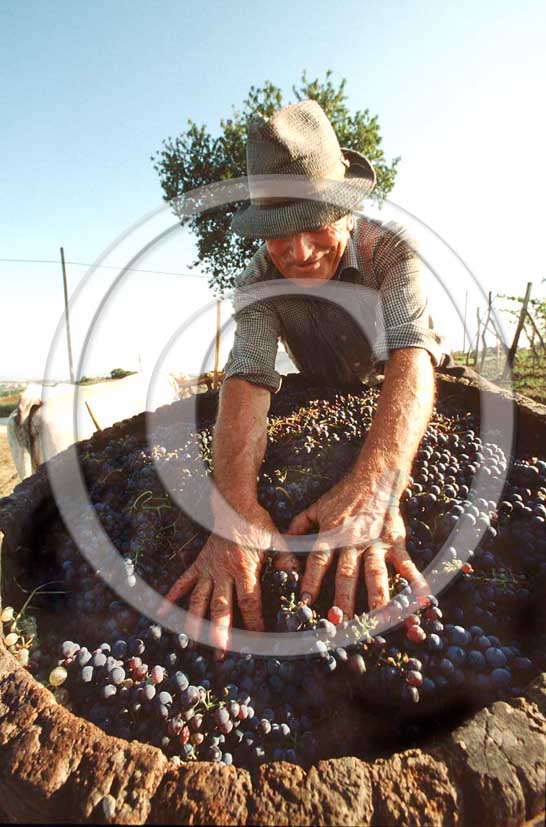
x: 91, y: 90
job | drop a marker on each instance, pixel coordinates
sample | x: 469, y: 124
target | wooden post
x: 464, y: 321
x: 536, y: 330
x: 92, y: 415
x: 217, y: 345
x: 67, y: 317
x: 484, y: 330
x: 477, y: 348
x: 514, y: 346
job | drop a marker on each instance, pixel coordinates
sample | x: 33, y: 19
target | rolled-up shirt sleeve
x: 405, y: 319
x: 257, y: 333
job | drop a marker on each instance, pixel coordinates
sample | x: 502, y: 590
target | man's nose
x: 301, y: 247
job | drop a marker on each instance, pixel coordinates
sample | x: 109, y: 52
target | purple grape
x: 500, y: 678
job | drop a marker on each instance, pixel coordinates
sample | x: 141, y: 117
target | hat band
x: 336, y: 173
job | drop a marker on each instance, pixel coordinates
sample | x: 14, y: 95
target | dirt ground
x: 8, y: 475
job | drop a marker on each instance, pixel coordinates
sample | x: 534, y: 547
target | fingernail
x: 306, y: 597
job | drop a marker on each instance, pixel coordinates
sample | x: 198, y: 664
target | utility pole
x: 67, y: 317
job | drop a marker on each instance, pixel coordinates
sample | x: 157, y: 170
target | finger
x: 179, y: 588
x: 221, y: 613
x: 376, y: 575
x: 315, y: 568
x: 199, y: 603
x: 405, y: 566
x: 249, y: 598
x: 303, y: 522
x: 286, y: 562
x: 346, y: 581
x: 283, y: 558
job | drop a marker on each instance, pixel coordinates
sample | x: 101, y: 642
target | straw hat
x: 299, y: 178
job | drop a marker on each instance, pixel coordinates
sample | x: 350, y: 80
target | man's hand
x: 223, y: 565
x: 370, y: 527
x: 363, y: 506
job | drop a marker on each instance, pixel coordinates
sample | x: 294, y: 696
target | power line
x: 103, y: 266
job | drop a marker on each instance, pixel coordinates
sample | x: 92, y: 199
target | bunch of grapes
x: 483, y: 642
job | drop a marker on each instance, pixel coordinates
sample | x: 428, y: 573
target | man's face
x: 311, y: 255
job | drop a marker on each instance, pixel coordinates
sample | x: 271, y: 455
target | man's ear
x: 350, y: 222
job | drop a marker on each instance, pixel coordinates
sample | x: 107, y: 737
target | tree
x: 196, y: 158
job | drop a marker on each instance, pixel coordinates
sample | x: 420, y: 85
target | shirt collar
x: 349, y: 260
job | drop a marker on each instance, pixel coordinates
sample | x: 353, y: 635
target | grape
x: 69, y: 649
x: 117, y: 675
x: 495, y: 657
x: 180, y: 681
x: 11, y: 639
x: 108, y: 692
x: 157, y: 673
x: 136, y: 646
x: 83, y: 657
x: 7, y: 615
x: 175, y: 726
x: 416, y: 634
x: 411, y: 693
x: 221, y: 715
x: 58, y: 676
x: 435, y: 643
x: 148, y: 692
x: 459, y: 636
x: 304, y: 613
x: 476, y: 660
x: 456, y: 655
x: 500, y: 677
x: 446, y: 666
x: 414, y: 678
x: 335, y: 615
x: 189, y: 696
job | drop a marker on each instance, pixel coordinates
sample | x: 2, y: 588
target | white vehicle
x: 42, y: 425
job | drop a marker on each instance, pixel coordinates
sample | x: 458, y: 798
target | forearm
x: 403, y: 412
x: 240, y: 440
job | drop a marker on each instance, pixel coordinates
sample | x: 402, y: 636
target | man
x: 304, y: 188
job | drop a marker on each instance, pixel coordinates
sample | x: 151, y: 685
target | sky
x: 90, y: 91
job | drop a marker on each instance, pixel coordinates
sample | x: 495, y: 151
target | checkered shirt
x: 329, y: 343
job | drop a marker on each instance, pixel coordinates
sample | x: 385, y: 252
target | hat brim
x: 333, y: 202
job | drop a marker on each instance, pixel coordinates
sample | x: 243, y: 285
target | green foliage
x: 116, y: 373
x: 196, y: 158
x: 9, y: 401
x: 528, y: 372
x: 120, y: 373
x: 10, y: 391
x: 536, y: 307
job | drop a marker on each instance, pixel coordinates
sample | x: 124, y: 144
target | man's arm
x: 361, y: 499
x: 403, y: 412
x: 233, y: 555
x: 239, y: 440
